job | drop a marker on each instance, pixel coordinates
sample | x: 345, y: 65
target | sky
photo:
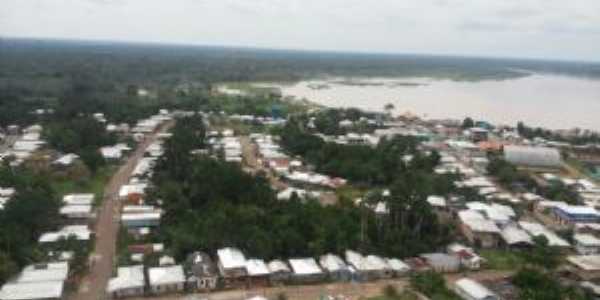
x: 549, y: 29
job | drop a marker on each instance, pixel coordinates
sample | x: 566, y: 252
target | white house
x: 586, y: 244
x: 470, y: 289
x: 166, y: 279
x: 129, y: 282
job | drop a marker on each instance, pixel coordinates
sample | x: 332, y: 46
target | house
x: 130, y: 282
x: 44, y: 290
x: 335, y: 267
x: 467, y: 256
x: 516, y: 238
x: 535, y: 229
x: 164, y: 280
x: 232, y: 266
x: 279, y: 270
x: 585, y: 267
x: 480, y: 231
x: 399, y: 268
x: 469, y: 289
x: 364, y: 271
x: 136, y: 219
x: 79, y: 232
x: 586, y: 244
x: 575, y: 214
x: 441, y: 262
x: 201, y: 272
x: 55, y: 271
x: 306, y: 270
x: 79, y: 199
x: 78, y: 213
x: 66, y: 160
x: 258, y: 272
x: 538, y: 157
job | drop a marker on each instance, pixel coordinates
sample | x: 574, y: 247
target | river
x: 550, y: 101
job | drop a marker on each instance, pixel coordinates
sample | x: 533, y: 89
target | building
x: 76, y: 212
x: 141, y: 219
x: 306, y: 270
x: 164, y: 280
x: 399, y: 268
x: 470, y: 289
x: 258, y: 273
x: 201, y: 272
x: 130, y: 282
x: 232, y: 266
x: 79, y: 232
x: 467, y: 256
x: 55, y: 271
x: 79, y: 199
x: 537, y: 157
x: 279, y: 270
x: 585, y: 267
x: 575, y: 214
x: 516, y: 238
x: 535, y: 229
x: 364, y: 269
x: 45, y: 290
x: 586, y: 244
x: 480, y: 231
x: 441, y: 262
x: 335, y: 267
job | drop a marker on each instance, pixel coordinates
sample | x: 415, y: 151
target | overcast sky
x: 564, y: 29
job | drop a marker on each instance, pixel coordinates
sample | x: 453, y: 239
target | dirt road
x: 93, y: 284
x: 350, y: 290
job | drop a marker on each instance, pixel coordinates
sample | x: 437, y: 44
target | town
x: 301, y: 202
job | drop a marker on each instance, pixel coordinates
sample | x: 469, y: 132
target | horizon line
x: 285, y: 49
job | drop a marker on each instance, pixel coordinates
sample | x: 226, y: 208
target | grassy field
x: 95, y: 184
x: 503, y: 260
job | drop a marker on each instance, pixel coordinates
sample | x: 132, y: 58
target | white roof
x: 81, y: 232
x: 57, y: 271
x: 231, y: 258
x: 278, y: 266
x: 579, y: 210
x: 586, y: 240
x: 397, y: 265
x: 474, y: 289
x: 140, y: 216
x: 75, y: 209
x: 535, y: 229
x: 127, y: 277
x: 66, y: 159
x: 32, y: 290
x: 436, y: 201
x: 256, y: 267
x: 305, y: 266
x: 513, y: 235
x: 361, y: 263
x: 332, y: 263
x: 79, y: 199
x: 166, y: 275
x: 377, y: 262
x: 585, y: 262
x: 476, y: 222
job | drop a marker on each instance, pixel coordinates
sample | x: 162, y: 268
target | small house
x: 306, y: 270
x: 398, y: 267
x: 163, y: 280
x: 130, y: 282
x: 469, y: 289
x: 258, y: 273
x: 335, y: 267
x: 586, y: 244
x: 441, y: 262
x: 480, y: 231
x: 232, y: 266
x: 201, y: 272
x: 585, y: 267
x: 279, y: 270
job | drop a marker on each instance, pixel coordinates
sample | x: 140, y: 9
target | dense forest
x: 211, y: 204
x: 32, y: 211
x: 43, y: 67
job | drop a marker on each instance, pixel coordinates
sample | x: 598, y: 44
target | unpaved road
x: 350, y: 290
x: 93, y: 285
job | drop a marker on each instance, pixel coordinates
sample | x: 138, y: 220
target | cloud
x: 491, y: 27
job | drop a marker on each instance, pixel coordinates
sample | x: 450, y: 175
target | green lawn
x: 94, y: 184
x: 503, y: 260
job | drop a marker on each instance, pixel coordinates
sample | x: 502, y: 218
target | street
x: 93, y: 284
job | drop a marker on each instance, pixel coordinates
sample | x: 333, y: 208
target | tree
x: 468, y: 123
x: 543, y: 255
